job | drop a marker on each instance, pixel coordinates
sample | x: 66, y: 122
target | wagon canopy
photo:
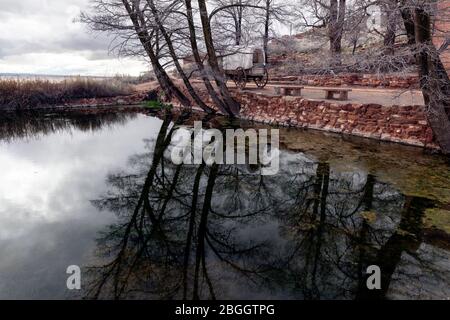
x: 242, y: 57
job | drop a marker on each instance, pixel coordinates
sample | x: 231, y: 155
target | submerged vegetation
x: 20, y: 94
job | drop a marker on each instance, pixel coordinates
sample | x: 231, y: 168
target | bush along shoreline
x: 29, y: 94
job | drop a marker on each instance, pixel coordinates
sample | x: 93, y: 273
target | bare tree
x: 273, y: 11
x: 392, y: 19
x: 326, y: 14
x: 231, y: 105
x: 165, y: 30
x: 243, y: 21
x: 220, y: 104
x: 336, y: 29
x: 168, y: 40
x: 230, y: 19
x: 434, y: 80
x: 114, y: 16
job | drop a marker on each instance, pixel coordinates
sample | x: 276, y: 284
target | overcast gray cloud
x: 40, y: 36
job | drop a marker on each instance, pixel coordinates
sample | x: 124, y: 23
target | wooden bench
x: 288, y: 90
x: 330, y: 93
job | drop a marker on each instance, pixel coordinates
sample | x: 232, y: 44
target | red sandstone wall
x: 404, y: 124
x: 442, y: 30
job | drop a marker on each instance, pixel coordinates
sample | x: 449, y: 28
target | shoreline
x: 401, y: 124
x: 138, y: 107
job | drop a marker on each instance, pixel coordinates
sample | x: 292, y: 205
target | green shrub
x: 157, y: 105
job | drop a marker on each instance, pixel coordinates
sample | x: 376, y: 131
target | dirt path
x: 387, y: 97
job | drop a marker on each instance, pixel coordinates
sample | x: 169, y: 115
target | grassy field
x: 20, y: 94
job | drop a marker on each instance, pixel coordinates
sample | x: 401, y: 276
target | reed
x: 19, y: 94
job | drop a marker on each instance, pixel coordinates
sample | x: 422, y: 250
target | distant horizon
x: 12, y: 74
x: 43, y: 37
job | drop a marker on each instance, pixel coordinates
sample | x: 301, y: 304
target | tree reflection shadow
x: 33, y: 124
x: 226, y: 231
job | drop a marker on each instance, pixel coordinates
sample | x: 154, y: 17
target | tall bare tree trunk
x: 266, y: 31
x: 193, y: 39
x: 336, y: 29
x: 434, y: 80
x: 238, y: 23
x: 231, y: 106
x: 408, y: 22
x: 172, y: 52
x: 164, y: 80
x: 391, y: 26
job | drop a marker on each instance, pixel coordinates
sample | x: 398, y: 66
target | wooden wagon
x: 245, y: 64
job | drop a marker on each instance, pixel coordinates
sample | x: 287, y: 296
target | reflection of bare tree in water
x: 407, y: 238
x: 206, y: 232
x: 335, y: 236
x: 131, y: 239
x: 169, y: 230
x: 21, y: 124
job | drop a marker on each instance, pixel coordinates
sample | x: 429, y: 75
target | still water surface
x: 101, y: 192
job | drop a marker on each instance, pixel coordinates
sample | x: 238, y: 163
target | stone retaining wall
x: 402, y: 124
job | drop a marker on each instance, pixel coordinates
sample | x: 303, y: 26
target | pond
x: 100, y: 192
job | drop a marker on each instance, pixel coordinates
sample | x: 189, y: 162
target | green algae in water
x: 437, y: 218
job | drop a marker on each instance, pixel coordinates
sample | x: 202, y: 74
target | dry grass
x: 20, y: 94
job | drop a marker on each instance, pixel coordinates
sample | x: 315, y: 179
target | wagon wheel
x: 261, y: 82
x: 240, y: 78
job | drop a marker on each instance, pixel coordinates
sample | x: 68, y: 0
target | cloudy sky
x: 40, y: 37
